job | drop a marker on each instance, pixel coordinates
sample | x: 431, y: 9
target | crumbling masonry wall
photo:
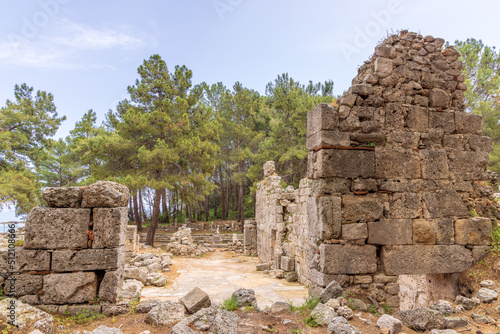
x: 74, y: 250
x: 395, y: 175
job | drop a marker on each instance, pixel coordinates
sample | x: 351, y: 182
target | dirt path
x: 221, y: 273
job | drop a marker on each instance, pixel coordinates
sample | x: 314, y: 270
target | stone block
x: 383, y: 67
x: 473, y: 231
x: 442, y: 204
x: 354, y: 231
x: 348, y: 259
x: 24, y: 284
x: 480, y: 143
x: 364, y: 185
x: 468, y: 123
x: 362, y: 279
x: 323, y: 279
x: 395, y: 162
x: 363, y: 119
x: 323, y: 117
x: 51, y: 228
x: 195, y: 300
x: 88, y: 259
x: 404, y: 205
x: 327, y: 138
x: 442, y: 120
x: 111, y: 286
x: 72, y: 288
x: 25, y: 260
x: 105, y: 194
x: 324, y: 216
x: 345, y: 163
x: 362, y: 208
x: 362, y: 89
x: 63, y: 197
x: 403, y: 139
x: 330, y: 186
x: 417, y: 119
x: 390, y: 232
x: 287, y: 263
x: 110, y: 226
x: 439, y: 98
x: 434, y: 164
x: 365, y: 139
x: 425, y: 259
x: 467, y: 165
x: 433, y: 231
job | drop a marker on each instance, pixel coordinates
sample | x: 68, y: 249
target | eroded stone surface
x: 105, y: 194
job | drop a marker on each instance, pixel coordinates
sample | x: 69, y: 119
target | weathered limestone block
x: 403, y: 139
x: 354, y: 231
x: 434, y: 164
x: 433, y: 231
x: 425, y: 259
x: 442, y: 120
x: 405, y: 205
x: 105, y: 194
x: 363, y: 119
x: 25, y: 260
x: 417, y: 119
x: 348, y: 259
x: 368, y: 139
x: 473, y: 231
x: 88, y: 259
x: 67, y: 197
x: 383, y: 67
x: 397, y: 162
x: 111, y: 286
x: 440, y: 204
x: 50, y: 228
x: 390, y: 232
x: 195, y: 300
x: 323, y: 117
x: 24, y: 284
x: 332, y: 185
x: 345, y: 163
x: 110, y: 225
x: 323, y: 279
x: 73, y: 288
x: 480, y: 143
x: 287, y: 263
x: 468, y: 123
x: 467, y: 165
x: 362, y: 208
x: 327, y: 138
x: 439, y: 98
x: 324, y: 216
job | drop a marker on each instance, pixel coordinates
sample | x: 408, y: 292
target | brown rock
x: 439, y: 98
x: 473, y: 231
x: 390, y: 232
x: 327, y: 138
x: 105, y: 194
x: 468, y: 123
x: 345, y: 163
x: 434, y: 164
x: 383, y: 67
x: 323, y: 117
x: 362, y: 208
x: 397, y: 163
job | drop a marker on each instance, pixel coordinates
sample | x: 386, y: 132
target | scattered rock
x: 488, y: 284
x: 280, y: 307
x: 245, y: 297
x: 394, y: 325
x: 165, y: 313
x: 146, y: 305
x: 323, y: 314
x: 25, y: 314
x: 211, y: 319
x: 443, y: 307
x: 357, y: 304
x: 467, y: 303
x: 443, y: 331
x: 454, y: 322
x: 195, y: 300
x: 339, y: 325
x: 333, y: 303
x: 104, y: 330
x: 421, y: 319
x: 486, y: 295
x: 332, y: 290
x: 482, y: 319
x: 345, y: 312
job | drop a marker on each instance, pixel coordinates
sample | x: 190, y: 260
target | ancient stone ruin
x: 395, y: 178
x: 74, y: 250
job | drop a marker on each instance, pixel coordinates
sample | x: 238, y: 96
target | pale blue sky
x: 87, y: 52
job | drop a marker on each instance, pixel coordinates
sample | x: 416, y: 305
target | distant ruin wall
x: 74, y: 250
x: 282, y: 230
x: 395, y: 175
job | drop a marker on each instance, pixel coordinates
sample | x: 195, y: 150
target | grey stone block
x: 390, y: 232
x: 110, y: 225
x: 88, y: 259
x: 105, y: 194
x: 348, y: 259
x: 67, y: 197
x: 72, y: 288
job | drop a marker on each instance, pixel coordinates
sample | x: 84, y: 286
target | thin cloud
x: 67, y: 44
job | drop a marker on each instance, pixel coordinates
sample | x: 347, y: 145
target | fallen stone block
x: 392, y: 324
x: 212, y: 319
x: 165, y: 313
x: 195, y: 300
x: 287, y: 263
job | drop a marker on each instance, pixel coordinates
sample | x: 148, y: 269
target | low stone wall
x: 74, y: 250
x: 206, y: 238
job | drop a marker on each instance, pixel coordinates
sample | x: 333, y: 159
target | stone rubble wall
x: 74, y: 250
x: 396, y: 169
x: 282, y: 228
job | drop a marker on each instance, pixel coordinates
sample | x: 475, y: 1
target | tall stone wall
x: 74, y: 250
x: 396, y: 168
x: 281, y: 221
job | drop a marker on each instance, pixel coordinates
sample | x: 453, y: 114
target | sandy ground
x: 219, y: 274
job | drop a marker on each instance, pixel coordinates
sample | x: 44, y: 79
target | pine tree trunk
x: 138, y: 220
x: 215, y: 205
x: 154, y: 218
x: 226, y: 213
x: 242, y: 207
x: 164, y: 201
x: 141, y: 205
x: 222, y: 198
x: 207, y: 207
